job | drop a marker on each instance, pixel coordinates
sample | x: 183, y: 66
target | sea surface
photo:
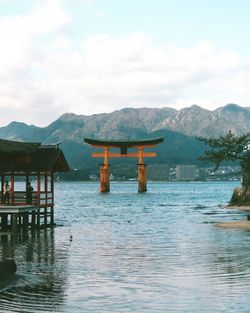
x: 154, y: 252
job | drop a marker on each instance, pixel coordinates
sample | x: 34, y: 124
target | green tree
x: 230, y: 148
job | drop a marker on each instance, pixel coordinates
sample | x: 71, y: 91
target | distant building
x: 186, y: 172
x: 158, y: 172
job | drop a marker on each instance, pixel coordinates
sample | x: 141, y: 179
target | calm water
x: 153, y: 252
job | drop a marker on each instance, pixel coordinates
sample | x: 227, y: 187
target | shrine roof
x: 123, y: 143
x: 10, y: 146
x: 26, y: 156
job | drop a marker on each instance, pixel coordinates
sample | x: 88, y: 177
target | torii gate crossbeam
x: 106, y: 145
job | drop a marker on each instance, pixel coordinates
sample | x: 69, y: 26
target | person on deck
x: 6, y: 192
x: 29, y: 191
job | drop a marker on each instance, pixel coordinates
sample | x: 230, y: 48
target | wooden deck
x: 23, y: 216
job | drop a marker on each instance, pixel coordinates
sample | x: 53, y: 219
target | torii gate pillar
x: 104, y: 172
x: 142, y: 172
x: 104, y: 178
x: 142, y: 177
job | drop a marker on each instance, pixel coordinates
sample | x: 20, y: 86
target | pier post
x: 52, y: 193
x: 14, y: 222
x: 52, y: 216
x: 38, y: 218
x: 7, y: 267
x: 25, y: 220
x: 45, y: 216
x: 4, y: 220
x: 33, y: 219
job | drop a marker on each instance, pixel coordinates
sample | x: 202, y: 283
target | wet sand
x: 239, y: 207
x: 243, y: 224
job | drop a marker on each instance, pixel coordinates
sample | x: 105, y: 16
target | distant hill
x: 178, y: 127
x: 196, y: 121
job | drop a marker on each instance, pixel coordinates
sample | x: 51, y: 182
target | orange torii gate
x: 106, y: 145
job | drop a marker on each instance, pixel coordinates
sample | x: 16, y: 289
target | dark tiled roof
x: 19, y: 156
x: 9, y: 146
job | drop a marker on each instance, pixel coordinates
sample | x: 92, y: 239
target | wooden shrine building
x: 107, y: 145
x: 21, y: 163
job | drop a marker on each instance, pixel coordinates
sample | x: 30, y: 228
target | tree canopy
x: 229, y: 148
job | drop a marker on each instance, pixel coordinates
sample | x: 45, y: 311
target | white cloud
x: 43, y: 74
x: 21, y: 40
x: 18, y: 34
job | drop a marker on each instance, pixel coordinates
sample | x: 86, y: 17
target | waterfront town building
x: 158, y: 172
x: 186, y: 172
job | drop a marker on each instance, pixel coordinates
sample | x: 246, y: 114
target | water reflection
x: 41, y: 279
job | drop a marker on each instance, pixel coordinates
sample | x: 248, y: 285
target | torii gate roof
x: 125, y: 143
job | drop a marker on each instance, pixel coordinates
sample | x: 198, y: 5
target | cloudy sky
x: 93, y: 56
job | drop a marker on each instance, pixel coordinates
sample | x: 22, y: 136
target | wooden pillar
x: 52, y: 186
x: 14, y: 222
x: 12, y: 187
x: 2, y: 184
x: 26, y: 186
x: 38, y: 199
x: 104, y: 172
x: 4, y: 220
x: 25, y: 220
x: 142, y: 172
x: 52, y: 205
x: 46, y: 187
x: 38, y: 218
x: 33, y: 219
x: 52, y: 216
x: 38, y: 189
x: 46, y: 198
x: 45, y: 218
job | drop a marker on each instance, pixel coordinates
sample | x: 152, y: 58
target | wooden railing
x: 46, y: 198
x: 19, y: 198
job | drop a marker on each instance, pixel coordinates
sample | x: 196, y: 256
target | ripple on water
x: 157, y: 252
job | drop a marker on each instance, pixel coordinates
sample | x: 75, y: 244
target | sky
x: 95, y: 56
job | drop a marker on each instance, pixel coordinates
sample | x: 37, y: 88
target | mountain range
x: 179, y: 127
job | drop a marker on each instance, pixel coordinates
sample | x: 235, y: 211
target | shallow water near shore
x: 152, y: 252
